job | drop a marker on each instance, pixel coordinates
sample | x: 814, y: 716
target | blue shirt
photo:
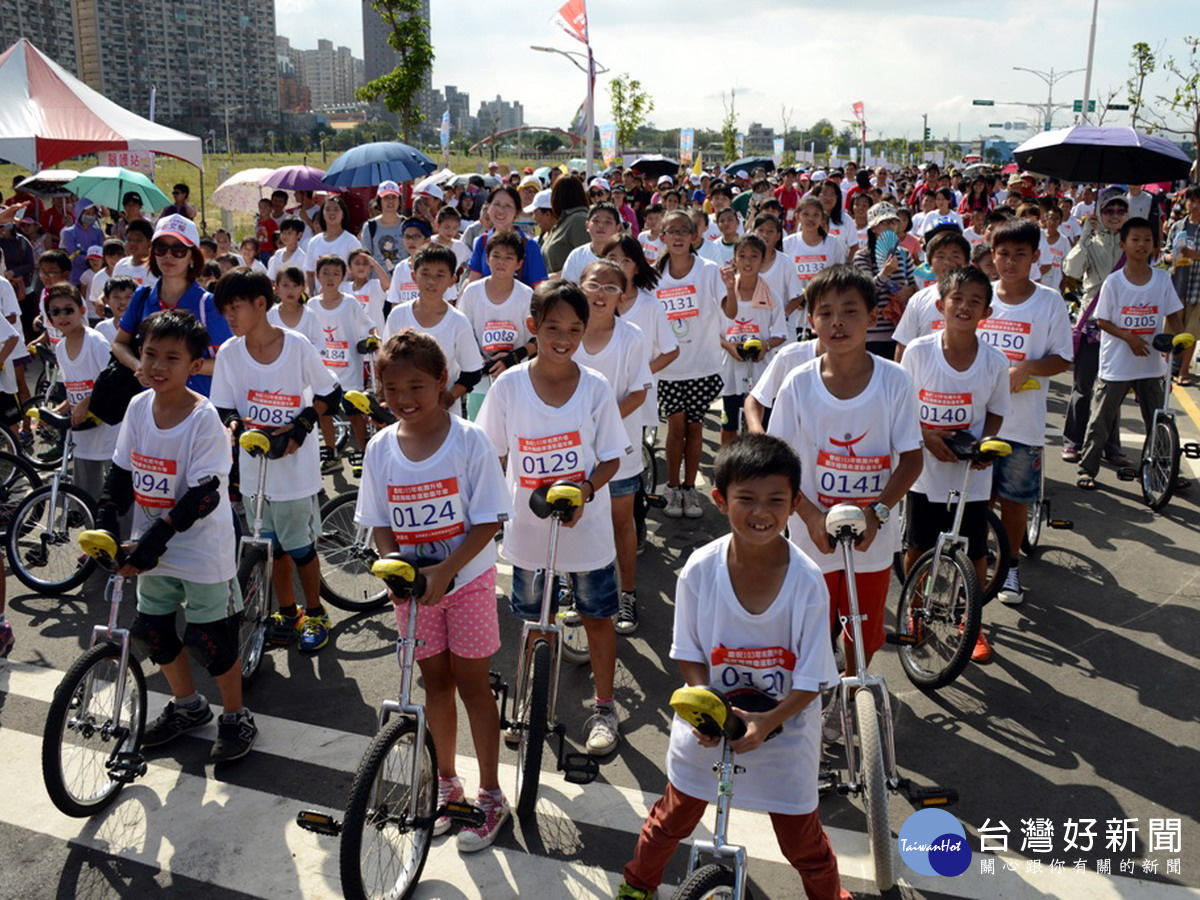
x: 533, y: 268
x: 196, y: 300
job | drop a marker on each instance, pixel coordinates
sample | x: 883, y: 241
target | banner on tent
x: 778, y: 151
x: 687, y: 140
x: 608, y: 143
x: 138, y: 160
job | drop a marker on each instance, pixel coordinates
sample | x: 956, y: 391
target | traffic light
x: 928, y: 135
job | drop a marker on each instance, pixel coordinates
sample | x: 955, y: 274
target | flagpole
x: 591, y: 114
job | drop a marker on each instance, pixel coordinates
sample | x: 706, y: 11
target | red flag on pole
x: 858, y: 110
x: 572, y: 19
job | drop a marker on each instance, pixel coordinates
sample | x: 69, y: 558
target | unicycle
x: 392, y: 806
x: 256, y: 561
x: 1038, y: 519
x: 941, y: 604
x: 94, y: 726
x: 867, y: 722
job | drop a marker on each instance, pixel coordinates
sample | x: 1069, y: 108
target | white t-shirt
x: 339, y: 330
x: 750, y: 322
x: 79, y: 377
x: 934, y: 218
x: 320, y: 245
x: 461, y: 251
x: 431, y: 505
x: 847, y: 449
x: 810, y: 261
x: 8, y: 299
x: 625, y: 364
x: 269, y: 396
x: 1070, y: 228
x: 717, y: 252
x: 453, y: 334
x: 403, y: 288
x: 782, y: 363
x: 370, y: 295
x: 578, y: 260
x: 1034, y: 329
x: 8, y: 375
x: 107, y: 329
x: 277, y: 262
x: 920, y: 316
x: 1052, y: 254
x: 785, y: 648
x: 785, y: 284
x: 648, y: 315
x: 693, y: 307
x: 652, y: 248
x: 544, y: 444
x: 95, y: 292
x: 973, y: 237
x: 166, y: 464
x: 1141, y: 309
x: 307, y: 326
x: 949, y: 400
x: 1082, y: 210
x: 140, y: 274
x: 255, y: 265
x: 498, y: 327
x: 847, y: 233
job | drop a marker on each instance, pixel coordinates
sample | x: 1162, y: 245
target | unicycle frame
x: 255, y: 538
x: 406, y: 651
x: 719, y: 847
x: 115, y: 588
x: 546, y: 626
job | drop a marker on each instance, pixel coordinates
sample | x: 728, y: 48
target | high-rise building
x: 760, y: 140
x: 499, y: 115
x: 459, y: 104
x: 49, y: 24
x: 331, y: 74
x: 294, y: 95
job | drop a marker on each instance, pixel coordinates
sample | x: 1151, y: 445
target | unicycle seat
x: 711, y: 712
x: 558, y: 499
x: 966, y: 449
x: 1172, y: 343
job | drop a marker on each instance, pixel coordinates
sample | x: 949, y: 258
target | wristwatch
x: 882, y: 512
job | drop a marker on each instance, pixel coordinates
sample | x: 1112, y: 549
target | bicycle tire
x: 574, y: 638
x: 649, y: 473
x: 1036, y: 516
x: 536, y: 711
x: 899, y: 513
x: 18, y: 479
x: 94, y: 747
x: 346, y: 552
x: 368, y: 814
x: 999, y: 558
x: 255, y: 582
x: 1159, y: 469
x: 710, y: 881
x: 341, y: 432
x: 8, y: 443
x: 934, y: 609
x: 875, y: 791
x: 45, y: 451
x: 60, y: 547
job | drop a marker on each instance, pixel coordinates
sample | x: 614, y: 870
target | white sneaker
x: 691, y: 503
x: 674, y: 507
x: 831, y: 722
x: 496, y: 813
x: 1012, y: 593
x: 602, y: 731
x: 450, y: 790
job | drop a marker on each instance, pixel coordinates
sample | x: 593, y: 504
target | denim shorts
x: 595, y: 592
x: 1018, y: 478
x: 623, y: 487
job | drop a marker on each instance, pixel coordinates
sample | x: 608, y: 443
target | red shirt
x: 265, y: 230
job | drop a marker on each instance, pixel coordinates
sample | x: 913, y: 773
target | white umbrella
x: 439, y: 178
x: 241, y: 191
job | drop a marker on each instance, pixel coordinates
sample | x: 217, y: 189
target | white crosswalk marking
x: 245, y: 839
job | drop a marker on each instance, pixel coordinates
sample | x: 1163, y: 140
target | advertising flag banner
x: 778, y: 151
x: 687, y: 139
x: 608, y: 143
x: 572, y: 19
x: 741, y: 145
x: 858, y: 111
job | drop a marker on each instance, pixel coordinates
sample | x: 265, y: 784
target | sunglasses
x: 179, y: 251
x: 56, y: 311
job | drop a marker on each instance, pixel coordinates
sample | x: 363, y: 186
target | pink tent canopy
x: 49, y: 115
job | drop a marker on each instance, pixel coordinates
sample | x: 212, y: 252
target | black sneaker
x: 330, y: 461
x: 627, y: 614
x: 235, y: 736
x: 355, y: 458
x: 173, y: 721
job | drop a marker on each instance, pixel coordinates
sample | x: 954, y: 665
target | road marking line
x: 1189, y: 406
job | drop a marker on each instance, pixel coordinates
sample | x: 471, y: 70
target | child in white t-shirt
x: 1135, y: 301
x: 291, y: 230
x: 1055, y: 245
x: 778, y: 271
x: 650, y: 237
x: 368, y: 291
x: 404, y: 288
x: 10, y: 343
x: 432, y: 491
x: 948, y: 250
x: 603, y: 221
x: 752, y: 611
x: 552, y: 419
x: 115, y: 299
x: 292, y: 311
x: 811, y: 249
x: 248, y: 250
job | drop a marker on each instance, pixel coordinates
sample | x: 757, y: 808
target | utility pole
x: 1087, y: 78
x: 924, y: 132
x: 1050, y: 78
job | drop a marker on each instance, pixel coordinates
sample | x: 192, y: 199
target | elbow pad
x: 368, y: 344
x: 230, y: 417
x: 303, y: 424
x: 198, y: 502
x: 469, y: 379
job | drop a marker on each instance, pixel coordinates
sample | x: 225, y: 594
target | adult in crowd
x: 331, y: 237
x: 569, y: 204
x: 381, y: 236
x: 503, y: 205
x: 180, y: 203
x: 76, y: 239
x: 131, y: 211
x: 19, y: 261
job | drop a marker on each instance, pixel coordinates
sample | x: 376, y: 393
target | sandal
x: 1184, y: 380
x: 1085, y: 482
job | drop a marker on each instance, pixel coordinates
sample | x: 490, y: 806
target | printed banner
x: 608, y: 143
x: 572, y: 19
x: 687, y: 140
x: 444, y: 133
x: 579, y: 123
x: 139, y: 160
x: 698, y: 168
x: 778, y: 153
x: 859, y: 115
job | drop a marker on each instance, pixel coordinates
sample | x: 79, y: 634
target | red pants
x: 675, y: 816
x: 872, y: 598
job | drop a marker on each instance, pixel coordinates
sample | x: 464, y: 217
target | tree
x: 729, y: 126
x: 1184, y: 101
x: 547, y: 143
x: 401, y: 88
x: 1142, y: 63
x: 1103, y: 100
x: 631, y: 107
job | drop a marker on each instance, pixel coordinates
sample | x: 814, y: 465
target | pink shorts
x: 463, y: 622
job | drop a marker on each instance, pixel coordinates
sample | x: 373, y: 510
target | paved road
x: 1088, y: 711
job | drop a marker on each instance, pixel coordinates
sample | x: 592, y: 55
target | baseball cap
x: 819, y: 175
x: 95, y: 252
x: 602, y: 183
x: 432, y: 190
x: 665, y: 179
x: 178, y: 227
x: 529, y: 170
x: 388, y: 188
x: 1109, y: 195
x: 881, y: 212
x: 529, y: 181
x: 540, y: 201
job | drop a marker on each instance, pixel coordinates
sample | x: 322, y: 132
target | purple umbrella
x: 297, y: 178
x: 1092, y: 153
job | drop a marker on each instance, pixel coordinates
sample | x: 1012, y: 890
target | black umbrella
x: 1095, y: 153
x: 744, y: 168
x: 655, y: 165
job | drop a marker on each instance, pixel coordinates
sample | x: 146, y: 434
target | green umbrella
x: 108, y: 185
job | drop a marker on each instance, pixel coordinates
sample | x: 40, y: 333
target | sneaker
x: 315, y: 632
x: 174, y: 721
x: 627, y: 614
x: 330, y: 461
x: 831, y: 721
x: 691, y: 503
x: 235, y: 736
x: 7, y: 641
x: 496, y: 812
x: 983, y: 650
x: 511, y: 735
x: 283, y: 629
x: 674, y: 507
x: 450, y: 790
x: 1070, y: 453
x: 627, y: 891
x: 355, y: 458
x: 602, y: 731
x: 1012, y: 593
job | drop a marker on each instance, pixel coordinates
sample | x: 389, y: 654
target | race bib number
x: 549, y: 459
x: 153, y: 481
x: 679, y: 302
x: 851, y: 479
x: 364, y: 299
x: 945, y: 411
x: 741, y: 330
x: 810, y: 265
x: 766, y: 669
x: 408, y: 291
x: 425, y: 513
x: 265, y: 409
x: 1009, y: 336
x: 78, y: 391
x: 336, y: 354
x: 1139, y: 319
x: 499, y: 336
x: 650, y: 250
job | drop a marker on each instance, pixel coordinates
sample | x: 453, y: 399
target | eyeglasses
x: 596, y: 193
x: 595, y: 287
x: 677, y: 232
x: 179, y: 251
x: 56, y: 311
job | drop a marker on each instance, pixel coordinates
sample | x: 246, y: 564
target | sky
x: 815, y: 59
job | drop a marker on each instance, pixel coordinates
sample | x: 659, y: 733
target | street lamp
x: 1050, y: 78
x: 228, y: 145
x: 271, y: 140
x: 591, y: 69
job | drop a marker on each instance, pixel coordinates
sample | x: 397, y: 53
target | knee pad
x: 213, y: 644
x: 155, y: 637
x: 304, y: 555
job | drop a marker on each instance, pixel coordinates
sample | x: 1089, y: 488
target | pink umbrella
x: 297, y: 178
x: 1010, y: 169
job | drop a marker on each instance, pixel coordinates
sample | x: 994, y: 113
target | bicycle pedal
x: 465, y: 814
x: 902, y: 640
x: 655, y: 501
x: 1191, y: 450
x: 931, y: 796
x: 1061, y: 524
x: 496, y: 682
x: 1127, y: 473
x: 126, y: 767
x: 569, y: 618
x: 318, y: 823
x: 579, y: 768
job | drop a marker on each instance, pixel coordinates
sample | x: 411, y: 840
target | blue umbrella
x: 369, y: 164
